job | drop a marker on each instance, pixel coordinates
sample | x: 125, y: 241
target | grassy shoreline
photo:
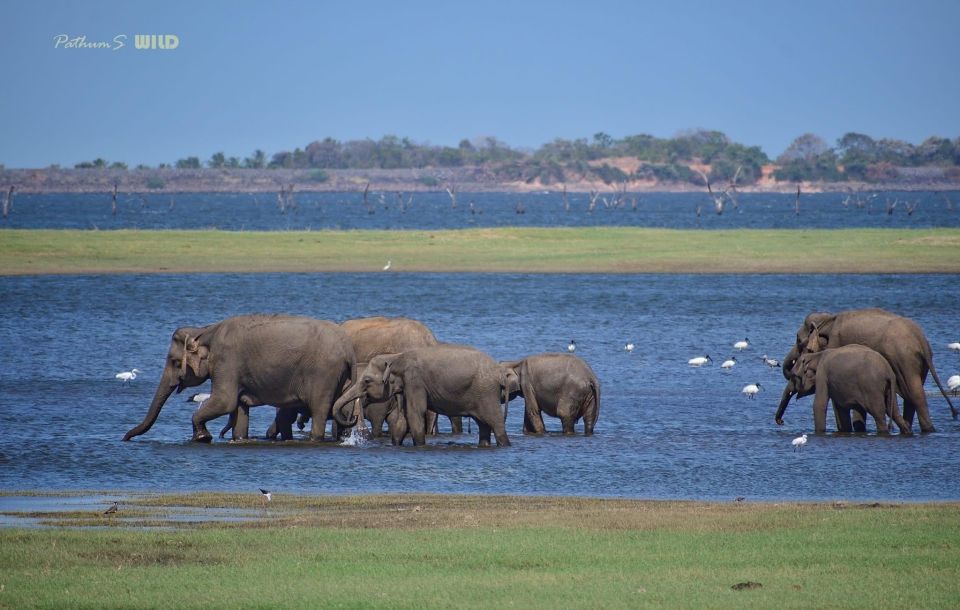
x: 400, y: 551
x: 518, y: 250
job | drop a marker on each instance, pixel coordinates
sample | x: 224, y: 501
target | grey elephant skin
x: 452, y: 380
x: 290, y: 362
x: 853, y: 378
x: 560, y: 385
x: 898, y: 339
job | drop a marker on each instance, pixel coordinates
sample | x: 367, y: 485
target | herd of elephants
x: 395, y: 370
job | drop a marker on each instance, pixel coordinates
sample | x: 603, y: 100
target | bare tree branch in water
x: 452, y: 192
x: 113, y: 205
x: 8, y: 201
x: 717, y: 199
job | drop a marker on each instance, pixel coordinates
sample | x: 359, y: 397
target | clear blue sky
x: 277, y: 75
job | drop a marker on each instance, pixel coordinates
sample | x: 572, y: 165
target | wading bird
x: 954, y: 347
x: 729, y: 364
x: 572, y: 347
x: 387, y: 266
x: 111, y: 510
x: 799, y: 442
x: 953, y: 384
x: 628, y: 348
x: 741, y: 345
x: 126, y: 376
x: 699, y: 360
x: 771, y: 362
x: 199, y: 397
x: 751, y: 390
x: 267, y: 496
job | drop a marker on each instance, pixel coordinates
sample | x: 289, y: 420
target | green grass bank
x: 493, y: 551
x: 526, y: 250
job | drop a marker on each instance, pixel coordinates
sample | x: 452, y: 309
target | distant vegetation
x: 855, y: 157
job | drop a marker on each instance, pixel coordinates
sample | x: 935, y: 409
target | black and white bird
x: 799, y: 442
x: 628, y: 348
x: 572, y: 346
x: 112, y: 509
x: 126, y: 376
x: 751, y: 390
x: 699, y: 360
x: 267, y: 496
x: 729, y: 363
x: 771, y: 362
x: 387, y: 266
x: 741, y: 345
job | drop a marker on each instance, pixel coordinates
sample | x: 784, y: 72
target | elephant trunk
x: 168, y: 383
x: 788, y: 361
x: 343, y: 410
x: 788, y: 393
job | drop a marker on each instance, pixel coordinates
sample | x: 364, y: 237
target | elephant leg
x: 843, y: 420
x: 230, y: 425
x: 415, y: 406
x: 456, y: 425
x: 485, y: 430
x: 241, y: 418
x: 430, y: 422
x: 914, y: 400
x: 319, y: 405
x: 532, y: 419
x: 590, y: 416
x: 302, y: 420
x: 858, y: 419
x: 566, y: 410
x: 897, y: 419
x: 880, y: 417
x: 216, y: 406
x: 820, y: 409
x: 283, y: 424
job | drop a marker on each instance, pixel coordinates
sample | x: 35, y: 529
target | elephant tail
x: 928, y: 360
x: 591, y: 402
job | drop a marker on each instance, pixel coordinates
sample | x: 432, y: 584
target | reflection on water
x: 258, y: 211
x: 666, y: 430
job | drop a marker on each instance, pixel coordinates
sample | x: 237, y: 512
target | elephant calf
x: 852, y: 377
x: 562, y: 385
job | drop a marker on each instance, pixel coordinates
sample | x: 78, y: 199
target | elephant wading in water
x: 452, y: 380
x: 286, y: 361
x: 898, y: 339
x: 373, y: 337
x: 561, y: 385
x: 852, y: 377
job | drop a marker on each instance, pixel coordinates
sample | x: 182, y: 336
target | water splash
x: 357, y: 438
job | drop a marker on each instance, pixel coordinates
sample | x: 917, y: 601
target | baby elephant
x: 852, y: 377
x: 562, y: 385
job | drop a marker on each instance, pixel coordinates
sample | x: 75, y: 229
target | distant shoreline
x: 462, y: 179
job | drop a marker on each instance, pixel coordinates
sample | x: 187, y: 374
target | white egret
x: 700, y: 360
x: 729, y: 364
x: 387, y: 266
x: 741, y: 345
x: 799, y: 442
x: 953, y: 384
x: 126, y: 376
x: 954, y: 346
x: 628, y: 347
x: 751, y: 390
x: 199, y: 397
x: 572, y: 347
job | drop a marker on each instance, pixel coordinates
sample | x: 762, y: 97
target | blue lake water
x: 665, y: 430
x: 259, y: 211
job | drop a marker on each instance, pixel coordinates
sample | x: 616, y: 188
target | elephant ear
x: 195, y: 355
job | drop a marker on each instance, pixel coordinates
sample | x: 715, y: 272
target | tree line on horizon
x: 855, y: 156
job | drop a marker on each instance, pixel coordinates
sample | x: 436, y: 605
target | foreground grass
x: 461, y: 551
x: 544, y: 250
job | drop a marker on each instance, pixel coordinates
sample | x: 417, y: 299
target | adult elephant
x: 853, y: 378
x: 896, y: 338
x: 287, y: 361
x: 453, y: 380
x: 561, y: 385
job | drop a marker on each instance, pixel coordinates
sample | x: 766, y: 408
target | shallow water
x: 259, y: 211
x: 665, y: 431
